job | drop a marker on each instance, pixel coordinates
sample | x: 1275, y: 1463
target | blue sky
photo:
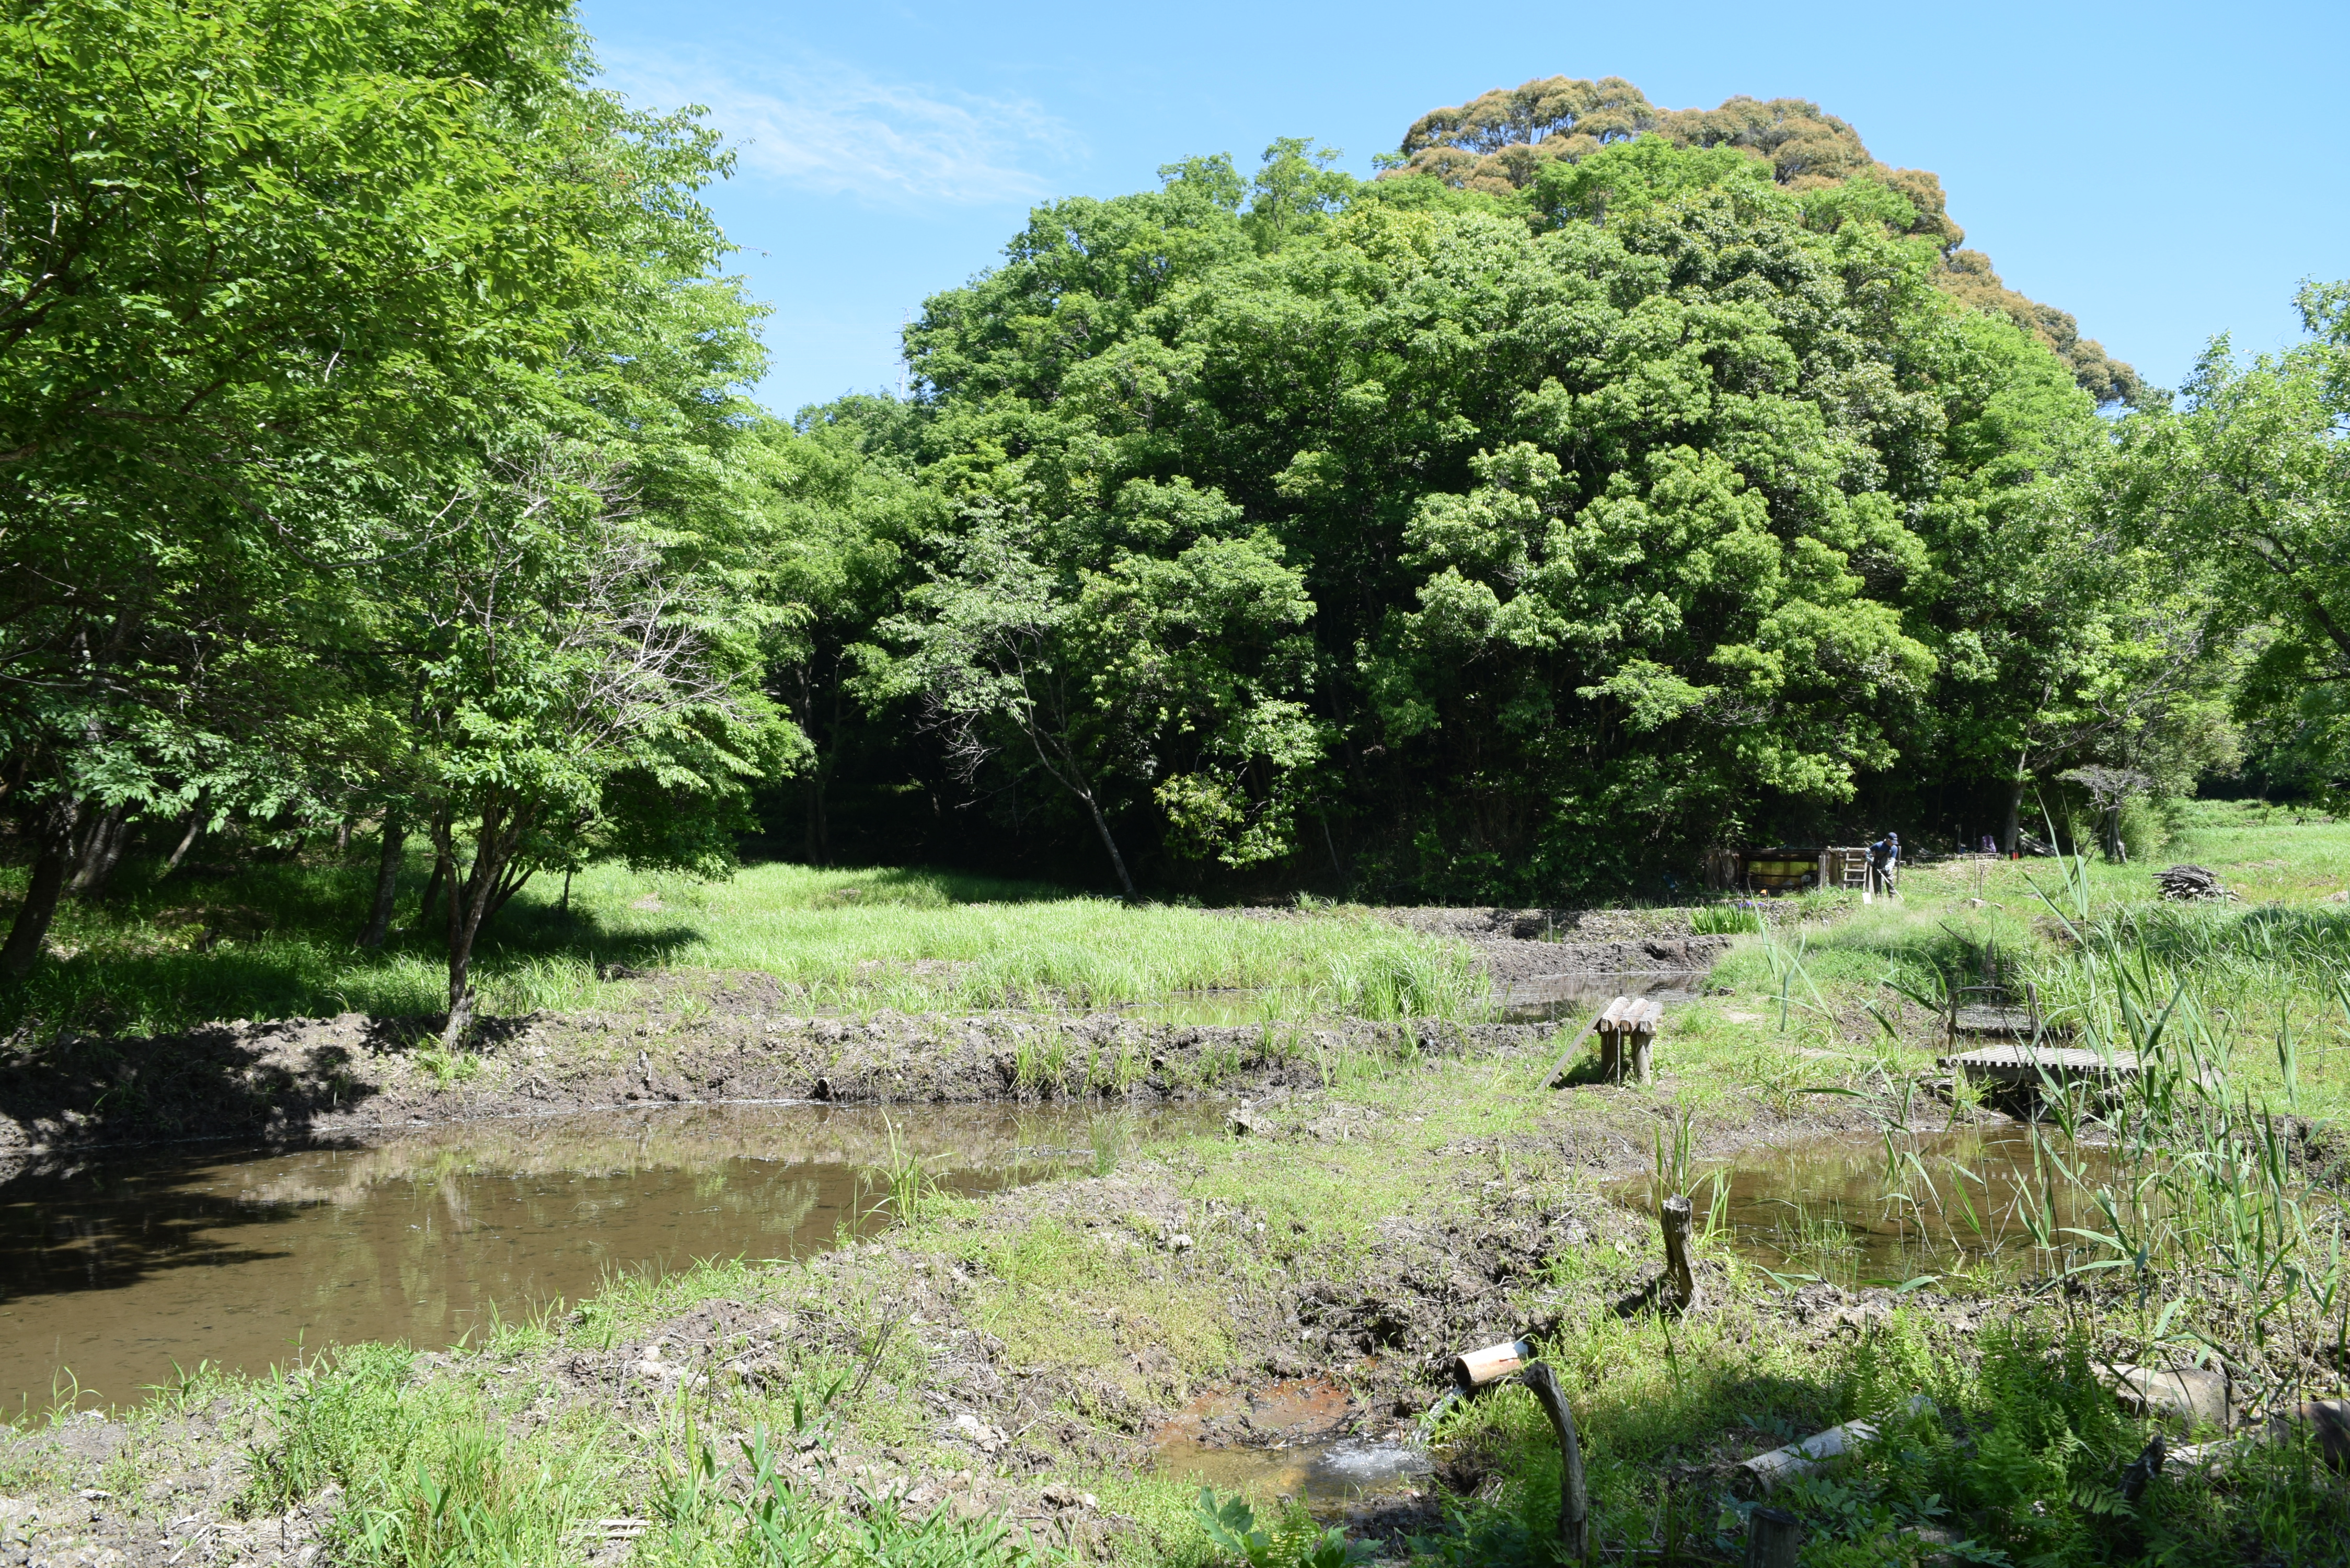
x: 2164, y: 172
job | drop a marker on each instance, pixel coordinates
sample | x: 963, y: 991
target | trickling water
x: 1285, y: 1440
x: 116, y: 1268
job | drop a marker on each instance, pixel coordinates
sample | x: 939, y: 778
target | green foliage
x: 1645, y: 575
x: 371, y: 441
x: 1293, y: 1542
x: 2251, y: 476
x: 1628, y: 177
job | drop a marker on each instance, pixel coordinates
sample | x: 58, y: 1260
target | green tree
x: 250, y: 254
x: 373, y: 444
x: 1645, y: 517
x: 1526, y: 142
x: 580, y: 680
x: 1177, y: 672
x: 2251, y: 476
x: 843, y: 511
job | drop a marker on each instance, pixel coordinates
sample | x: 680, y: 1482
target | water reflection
x: 114, y: 1271
x: 1853, y: 1210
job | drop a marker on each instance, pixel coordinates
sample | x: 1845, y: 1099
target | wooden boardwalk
x: 2023, y: 1066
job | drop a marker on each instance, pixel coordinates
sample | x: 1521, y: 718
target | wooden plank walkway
x: 2012, y: 1020
x: 2021, y: 1066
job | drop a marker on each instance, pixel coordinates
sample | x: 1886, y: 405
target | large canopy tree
x: 2250, y: 477
x: 1517, y: 138
x: 1644, y: 506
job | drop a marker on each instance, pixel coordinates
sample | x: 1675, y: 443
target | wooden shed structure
x: 1789, y: 869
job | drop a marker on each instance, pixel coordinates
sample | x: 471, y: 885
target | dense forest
x: 1596, y: 485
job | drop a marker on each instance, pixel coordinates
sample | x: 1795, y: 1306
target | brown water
x: 1284, y: 1440
x: 112, y: 1272
x: 1840, y: 1209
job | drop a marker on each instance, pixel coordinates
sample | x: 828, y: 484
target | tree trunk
x: 101, y: 847
x: 49, y: 879
x: 484, y: 892
x: 387, y: 881
x: 432, y: 885
x: 466, y: 907
x: 1680, y: 1291
x: 187, y: 840
x: 1101, y: 825
x: 819, y: 832
x: 2011, y: 831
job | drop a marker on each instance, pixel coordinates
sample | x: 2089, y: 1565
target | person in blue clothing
x: 1884, y: 858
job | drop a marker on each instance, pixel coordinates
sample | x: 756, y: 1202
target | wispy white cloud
x: 827, y: 126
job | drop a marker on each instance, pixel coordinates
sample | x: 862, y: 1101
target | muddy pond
x: 1830, y: 1208
x: 116, y: 1268
x: 1847, y: 1209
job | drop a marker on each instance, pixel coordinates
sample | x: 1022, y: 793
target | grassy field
x: 2265, y: 969
x: 275, y: 941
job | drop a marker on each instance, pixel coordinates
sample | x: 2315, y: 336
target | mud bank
x: 1033, y: 1357
x: 693, y: 1037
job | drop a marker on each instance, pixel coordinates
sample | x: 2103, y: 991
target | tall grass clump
x: 1726, y: 920
x: 275, y: 939
x: 427, y: 1478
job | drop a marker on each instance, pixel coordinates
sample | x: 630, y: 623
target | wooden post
x: 1626, y: 1031
x: 1611, y: 1040
x: 1573, y: 1500
x: 1774, y: 1536
x: 1680, y: 1291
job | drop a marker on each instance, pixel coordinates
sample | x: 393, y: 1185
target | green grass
x: 275, y: 941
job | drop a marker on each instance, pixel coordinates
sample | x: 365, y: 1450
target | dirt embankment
x: 692, y: 1037
x: 965, y: 1402
x: 1517, y: 946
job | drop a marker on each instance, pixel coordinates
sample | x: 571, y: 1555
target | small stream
x: 116, y: 1267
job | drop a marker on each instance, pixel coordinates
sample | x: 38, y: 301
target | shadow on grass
x: 277, y: 941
